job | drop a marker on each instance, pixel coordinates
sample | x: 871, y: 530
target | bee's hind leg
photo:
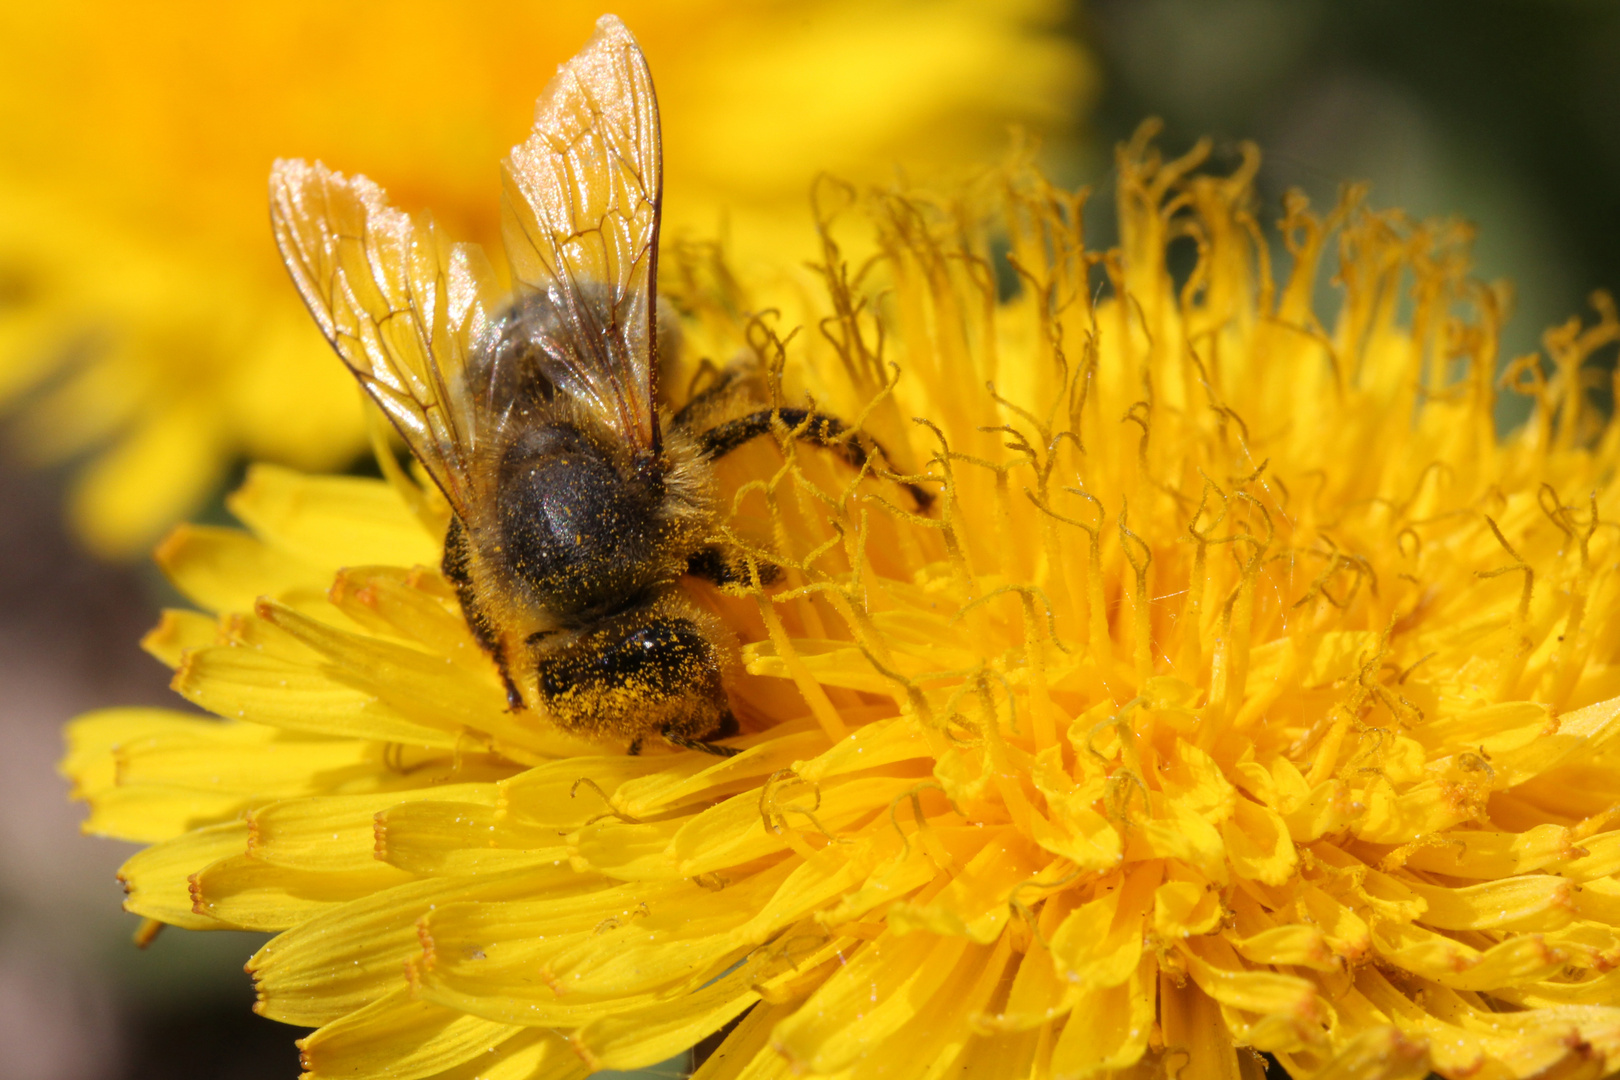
x: 457, y: 555
x: 514, y: 696
x: 682, y: 742
x: 728, y: 727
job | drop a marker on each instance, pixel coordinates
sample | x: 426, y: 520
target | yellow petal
x: 746, y: 1053
x: 532, y: 1004
x: 1012, y: 1056
x: 1583, y: 729
x: 402, y: 1039
x: 1585, y: 944
x: 737, y: 831
x: 430, y: 690
x: 1599, y: 901
x: 1177, y: 833
x: 1462, y: 1038
x: 1219, y: 973
x: 1503, y: 726
x: 654, y: 1033
x: 160, y: 468
x: 224, y: 570
x: 915, y: 868
x: 460, y: 838
x: 93, y: 739
x: 1590, y: 990
x: 1099, y: 943
x: 1470, y: 853
x: 868, y: 1000
x: 1037, y: 995
x: 493, y: 958
x: 157, y: 879
x: 413, y: 606
x: 1347, y: 932
x: 1529, y: 902
x: 666, y: 944
x: 1076, y: 831
x: 938, y: 1037
x: 1318, y: 811
x: 1452, y: 963
x: 1453, y: 1048
x: 1108, y: 1028
x: 355, y: 953
x: 1194, y: 1035
x: 662, y: 945
x: 1364, y: 886
x: 1295, y: 944
x: 563, y: 795
x: 1400, y: 817
x: 176, y: 632
x: 332, y: 521
x: 237, y: 682
x: 152, y: 813
x: 242, y: 892
x: 337, y: 832
x: 246, y: 760
x: 628, y: 851
x: 1601, y: 859
x: 886, y: 742
x: 1195, y: 782
x: 1258, y: 843
x: 977, y: 902
x: 1379, y: 1053
x: 691, y: 781
x: 531, y: 1053
x: 1184, y: 908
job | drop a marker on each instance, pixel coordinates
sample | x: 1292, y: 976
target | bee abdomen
x: 638, y: 673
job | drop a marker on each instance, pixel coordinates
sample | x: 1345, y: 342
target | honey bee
x: 577, y: 503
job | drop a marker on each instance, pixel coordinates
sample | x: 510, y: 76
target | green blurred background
x: 1504, y: 112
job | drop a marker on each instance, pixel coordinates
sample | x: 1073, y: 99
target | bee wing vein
x: 399, y: 306
x: 580, y: 215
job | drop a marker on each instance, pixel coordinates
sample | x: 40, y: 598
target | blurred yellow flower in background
x: 145, y: 320
x: 1243, y: 691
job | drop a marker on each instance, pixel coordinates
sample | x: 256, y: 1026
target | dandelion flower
x: 1242, y: 692
x: 145, y: 324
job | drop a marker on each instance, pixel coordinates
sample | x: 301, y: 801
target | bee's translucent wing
x: 401, y: 305
x: 579, y: 215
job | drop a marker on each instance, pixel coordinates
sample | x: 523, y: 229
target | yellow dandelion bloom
x: 1242, y: 691
x: 146, y: 324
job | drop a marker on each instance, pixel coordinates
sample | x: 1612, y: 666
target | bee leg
x: 514, y: 696
x: 716, y: 565
x: 728, y: 726
x: 819, y: 428
x: 684, y: 743
x: 725, y: 382
x: 725, y: 729
x: 454, y: 566
x: 635, y: 748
